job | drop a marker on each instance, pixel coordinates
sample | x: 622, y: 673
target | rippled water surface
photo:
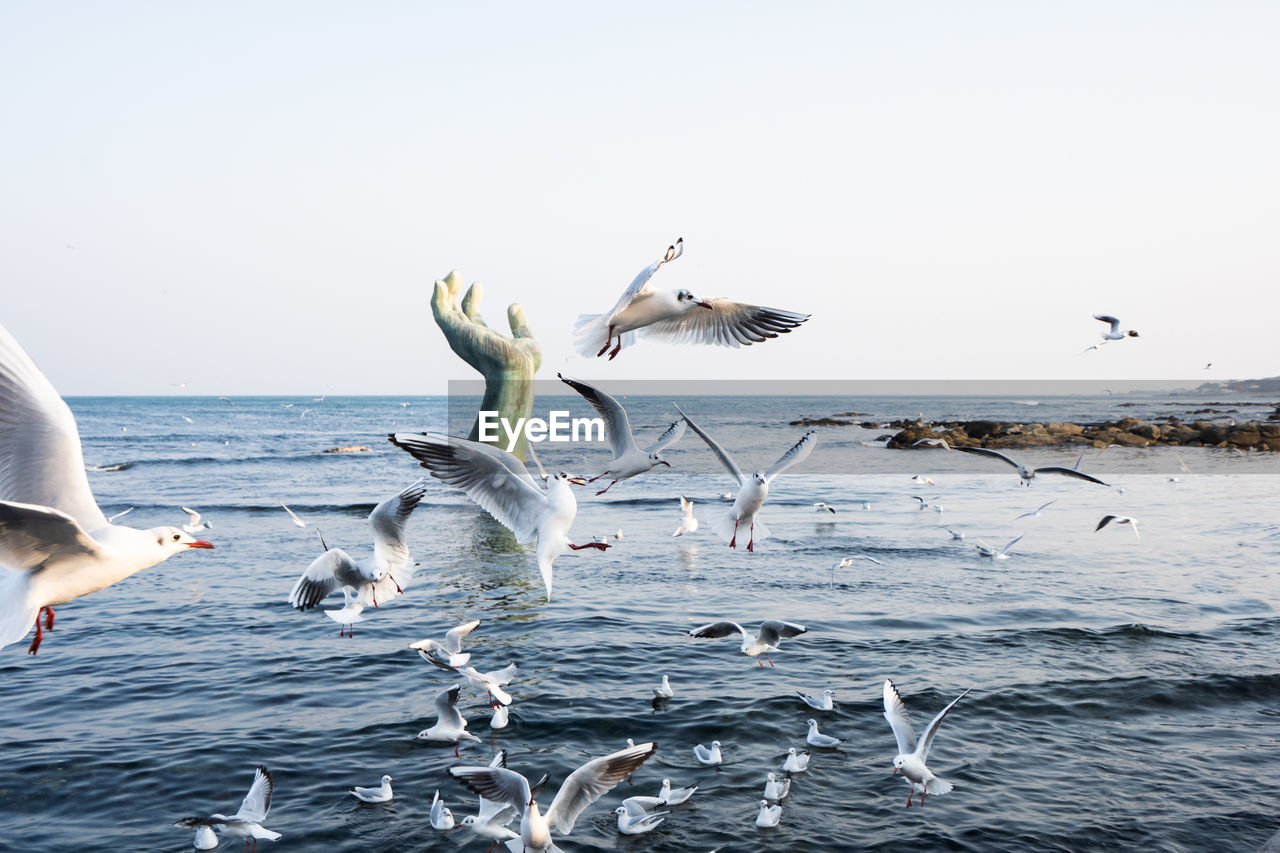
x: 1127, y: 692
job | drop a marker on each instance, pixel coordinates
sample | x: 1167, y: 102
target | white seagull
x: 819, y: 507
x: 1026, y: 472
x: 55, y: 543
x: 502, y: 486
x: 675, y: 796
x: 1115, y: 333
x: 1035, y: 513
x: 1119, y: 519
x: 769, y: 815
x: 247, y: 822
x: 441, y: 817
x: 451, y: 648
x: 501, y: 716
x: 689, y: 524
x: 298, y: 522
x: 628, y: 459
x: 382, y: 575
x: 752, y: 490
x: 634, y: 818
x: 491, y: 682
x: 795, y: 762
x: 823, y: 704
x: 677, y: 317
x: 775, y: 788
x: 771, y: 634
x: 818, y: 739
x: 708, y: 756
x: 195, y: 525
x: 663, y: 690
x: 997, y: 553
x: 380, y: 794
x: 910, y: 760
x: 846, y: 562
x: 956, y: 534
x: 450, y: 726
x: 582, y: 788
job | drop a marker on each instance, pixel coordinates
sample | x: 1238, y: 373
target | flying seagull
x: 1026, y: 472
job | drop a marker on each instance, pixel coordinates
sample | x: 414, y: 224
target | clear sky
x: 257, y: 197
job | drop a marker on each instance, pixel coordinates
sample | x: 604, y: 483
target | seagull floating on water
x: 454, y: 656
x: 503, y: 487
x: 795, y: 762
x: 246, y: 823
x: 818, y: 739
x: 663, y: 690
x: 1026, y: 472
x: 910, y: 760
x: 677, y: 317
x: 707, y: 756
x: 771, y: 634
x: 675, y: 796
x: 956, y: 534
x: 441, y: 817
x: 381, y: 794
x: 55, y: 543
x: 582, y: 788
x: 823, y: 704
x: 752, y: 490
x: 689, y: 524
x: 450, y: 726
x: 769, y: 815
x: 634, y: 817
x: 1119, y: 519
x: 997, y: 553
x: 775, y: 788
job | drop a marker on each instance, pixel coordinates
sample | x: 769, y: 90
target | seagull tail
x: 938, y: 786
x: 591, y: 334
x: 17, y: 614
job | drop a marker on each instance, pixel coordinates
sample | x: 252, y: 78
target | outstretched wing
x: 775, y: 630
x: 727, y: 324
x: 1107, y: 318
x: 641, y: 282
x: 798, y: 453
x: 388, y: 519
x: 715, y: 448
x: 495, y: 783
x: 447, y: 707
x: 1012, y: 542
x: 591, y: 781
x: 453, y: 637
x: 41, y: 462
x: 331, y: 570
x: 1069, y: 472
x: 896, y: 713
x: 31, y: 535
x: 492, y: 478
x: 715, y: 630
x: 673, y: 434
x: 926, y: 740
x: 982, y: 451
x: 257, y: 802
x: 616, y: 424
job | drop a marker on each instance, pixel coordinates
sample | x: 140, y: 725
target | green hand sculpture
x: 507, y: 364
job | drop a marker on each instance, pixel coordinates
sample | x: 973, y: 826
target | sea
x: 1126, y: 688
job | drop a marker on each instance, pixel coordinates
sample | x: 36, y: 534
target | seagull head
x: 688, y: 300
x: 1133, y: 333
x: 386, y: 779
x: 562, y: 476
x: 758, y: 476
x: 898, y: 761
x: 655, y: 459
x: 172, y: 540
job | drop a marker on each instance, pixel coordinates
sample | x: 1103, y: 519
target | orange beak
x: 664, y: 462
x: 706, y: 305
x: 577, y: 481
x: 200, y: 543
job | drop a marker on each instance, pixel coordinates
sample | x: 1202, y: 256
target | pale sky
x: 256, y: 198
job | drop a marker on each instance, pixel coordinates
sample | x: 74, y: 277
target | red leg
x: 606, y: 488
x: 455, y: 749
x: 922, y: 799
x: 48, y: 618
x: 760, y: 662
x: 733, y: 543
x: 769, y: 659
x: 616, y: 349
x: 909, y: 795
x: 751, y: 543
x: 604, y: 349
x: 35, y: 644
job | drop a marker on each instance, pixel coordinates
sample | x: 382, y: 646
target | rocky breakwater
x: 1127, y: 432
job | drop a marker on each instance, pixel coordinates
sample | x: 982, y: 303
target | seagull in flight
x: 819, y: 507
x: 450, y: 725
x: 752, y: 490
x: 503, y: 487
x: 771, y: 634
x: 1119, y: 519
x: 997, y: 553
x: 583, y: 787
x: 1035, y: 513
x: 246, y: 823
x: 846, y: 562
x: 1028, y: 473
x: 454, y: 656
x: 910, y: 760
x: 677, y: 316
x: 195, y: 525
x: 689, y: 524
x: 628, y: 459
x: 1114, y: 333
x: 55, y: 543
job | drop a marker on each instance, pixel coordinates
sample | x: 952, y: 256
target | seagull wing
x: 1069, y: 472
x: 1012, y: 542
x: 773, y: 631
x: 715, y: 630
x: 447, y: 708
x: 641, y: 282
x: 31, y: 536
x: 388, y: 519
x: 982, y: 451
x: 926, y: 740
x: 727, y: 324
x: 798, y: 453
x: 191, y: 514
x: 896, y: 713
x: 41, y: 462
x: 686, y: 506
x: 1107, y: 318
x: 453, y: 637
x: 296, y: 520
x: 331, y: 570
x: 257, y: 802
x: 673, y: 434
x: 616, y: 424
x: 591, y: 781
x: 492, y: 478
x: 1106, y: 519
x: 715, y: 448
x: 497, y: 784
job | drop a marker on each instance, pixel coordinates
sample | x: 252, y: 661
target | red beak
x: 664, y: 462
x: 706, y: 305
x: 577, y: 481
x: 200, y: 543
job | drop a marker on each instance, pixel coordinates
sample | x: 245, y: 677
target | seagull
x: 823, y: 704
x: 751, y: 490
x: 450, y: 726
x: 582, y: 788
x: 628, y: 459
x: 1036, y: 513
x: 819, y: 507
x: 618, y: 535
x: 818, y: 739
x: 454, y: 656
x: 956, y: 534
x: 493, y: 829
x: 1114, y: 333
x: 381, y: 794
x: 441, y: 817
x: 675, y: 796
x: 911, y: 755
x: 296, y: 520
x: 775, y: 788
x: 771, y: 634
x: 1119, y: 519
x: 924, y: 502
x: 769, y: 815
x: 674, y: 316
x: 689, y: 524
x: 710, y: 756
x: 501, y: 716
x: 491, y: 682
x: 55, y: 543
x: 930, y: 442
x: 247, y: 822
x: 997, y: 553
x: 795, y: 762
x: 383, y: 574
x: 195, y: 525
x: 206, y: 838
x: 846, y: 562
x: 349, y: 615
x: 663, y: 691
x: 921, y: 478
x: 1026, y: 472
x: 502, y: 486
x: 634, y: 819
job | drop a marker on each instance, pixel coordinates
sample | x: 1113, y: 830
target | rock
x: 821, y: 422
x: 1150, y: 431
x: 1064, y: 429
x: 980, y: 429
x: 1211, y: 434
x: 1245, y: 435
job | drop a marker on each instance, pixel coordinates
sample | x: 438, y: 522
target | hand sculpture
x: 507, y: 364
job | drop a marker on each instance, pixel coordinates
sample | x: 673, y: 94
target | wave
x: 116, y: 466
